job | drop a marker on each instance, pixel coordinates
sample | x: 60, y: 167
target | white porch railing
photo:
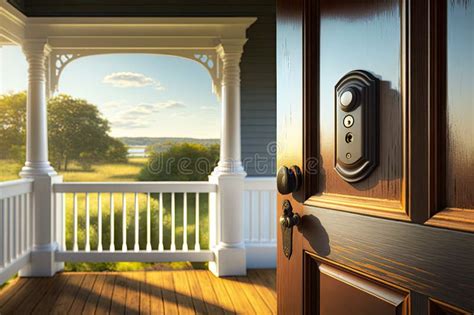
x: 16, y: 222
x: 140, y: 219
x: 260, y: 221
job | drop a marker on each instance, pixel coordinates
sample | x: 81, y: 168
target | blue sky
x: 141, y: 95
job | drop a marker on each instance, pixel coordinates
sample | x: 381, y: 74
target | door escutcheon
x: 356, y: 125
x: 288, y: 220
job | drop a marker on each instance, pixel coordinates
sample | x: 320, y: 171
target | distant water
x: 136, y: 151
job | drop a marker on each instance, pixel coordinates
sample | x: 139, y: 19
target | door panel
x: 340, y: 292
x: 411, y: 256
x: 375, y: 239
x: 365, y: 35
x: 440, y: 308
x: 350, y: 39
x: 452, y: 128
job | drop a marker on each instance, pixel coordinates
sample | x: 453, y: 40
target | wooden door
x: 401, y: 239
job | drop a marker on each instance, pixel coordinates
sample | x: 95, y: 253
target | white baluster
x: 3, y: 233
x: 185, y: 221
x: 148, y: 223
x: 160, y: 244
x: 29, y: 220
x: 173, y: 223
x: 74, y: 209
x: 112, y: 223
x: 16, y: 237
x: 21, y: 209
x: 88, y: 245
x: 137, y: 223
x: 197, y: 246
x: 261, y: 209
x: 251, y: 223
x: 267, y: 216
x: 246, y: 215
x: 124, y: 223
x: 99, y: 222
x: 63, y: 209
x: 11, y: 230
x: 25, y: 223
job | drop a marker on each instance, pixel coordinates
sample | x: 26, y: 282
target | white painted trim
x: 260, y: 221
x: 12, y: 24
x: 15, y: 266
x: 15, y: 188
x: 135, y: 187
x: 131, y: 256
x: 261, y: 255
x: 260, y: 183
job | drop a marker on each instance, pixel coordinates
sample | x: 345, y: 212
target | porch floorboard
x: 142, y: 292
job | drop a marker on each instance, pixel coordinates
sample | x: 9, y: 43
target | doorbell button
x: 346, y: 98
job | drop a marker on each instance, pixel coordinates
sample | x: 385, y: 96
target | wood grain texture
x: 431, y: 261
x: 441, y: 308
x: 149, y: 292
x: 361, y: 296
x: 416, y: 66
x: 451, y: 130
x: 349, y: 42
x: 460, y: 106
x: 290, y: 91
x: 425, y: 262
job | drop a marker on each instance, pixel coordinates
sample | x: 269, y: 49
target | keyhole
x: 349, y: 137
x: 348, y: 121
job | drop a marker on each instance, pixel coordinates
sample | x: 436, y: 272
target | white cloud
x: 143, y: 115
x: 171, y: 105
x: 210, y: 108
x: 131, y: 79
x: 112, y: 105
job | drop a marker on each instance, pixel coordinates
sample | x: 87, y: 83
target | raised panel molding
x: 440, y: 308
x: 386, y: 192
x: 339, y: 291
x: 450, y: 140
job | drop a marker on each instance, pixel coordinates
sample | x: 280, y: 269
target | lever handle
x: 288, y: 220
x: 289, y: 179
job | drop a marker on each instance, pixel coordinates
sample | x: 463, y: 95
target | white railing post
x: 37, y: 166
x: 229, y: 175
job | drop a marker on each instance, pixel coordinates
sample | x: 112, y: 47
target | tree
x: 116, y: 152
x: 12, y: 125
x: 77, y: 131
x: 181, y: 162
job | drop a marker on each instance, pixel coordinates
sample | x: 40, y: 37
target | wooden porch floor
x: 144, y: 292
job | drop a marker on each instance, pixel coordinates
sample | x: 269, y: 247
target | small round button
x: 346, y: 98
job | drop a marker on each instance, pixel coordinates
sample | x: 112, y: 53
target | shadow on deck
x: 144, y: 292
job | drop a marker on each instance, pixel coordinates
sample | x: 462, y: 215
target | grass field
x: 123, y: 172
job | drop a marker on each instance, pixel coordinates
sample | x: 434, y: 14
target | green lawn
x: 100, y: 173
x: 114, y: 173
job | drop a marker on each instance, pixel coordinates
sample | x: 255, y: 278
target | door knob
x: 289, y: 179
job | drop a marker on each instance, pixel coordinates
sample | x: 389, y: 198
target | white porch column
x: 227, y: 222
x: 37, y: 165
